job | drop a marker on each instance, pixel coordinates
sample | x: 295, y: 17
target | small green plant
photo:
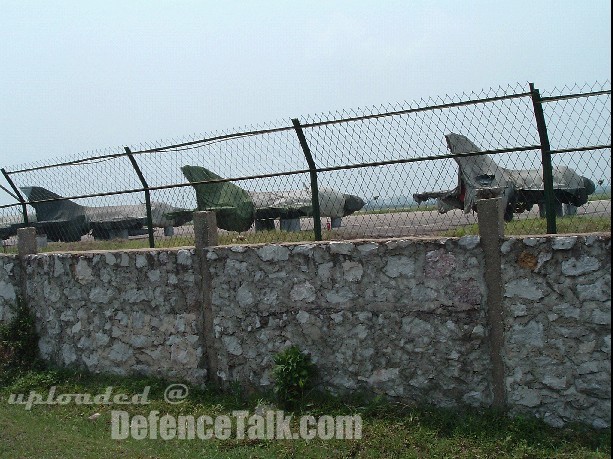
x: 19, y: 341
x: 293, y: 375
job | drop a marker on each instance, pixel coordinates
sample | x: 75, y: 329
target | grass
x: 600, y: 197
x: 389, y: 430
x: 576, y: 224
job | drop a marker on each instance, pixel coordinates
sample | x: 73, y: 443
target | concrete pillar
x: 205, y: 229
x: 26, y: 241
x: 491, y: 230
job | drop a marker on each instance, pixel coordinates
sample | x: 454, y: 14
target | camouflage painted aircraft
x: 521, y: 189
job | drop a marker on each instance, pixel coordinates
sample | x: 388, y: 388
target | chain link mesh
x: 381, y: 172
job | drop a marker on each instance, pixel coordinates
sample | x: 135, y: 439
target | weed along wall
x: 415, y: 320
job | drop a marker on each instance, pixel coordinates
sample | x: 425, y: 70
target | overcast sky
x: 83, y: 75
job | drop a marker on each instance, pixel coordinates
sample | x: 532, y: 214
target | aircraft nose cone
x: 352, y: 204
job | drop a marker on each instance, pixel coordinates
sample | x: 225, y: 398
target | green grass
x: 576, y: 224
x: 599, y: 197
x: 390, y: 430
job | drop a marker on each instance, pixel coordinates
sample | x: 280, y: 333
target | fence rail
x: 392, y: 171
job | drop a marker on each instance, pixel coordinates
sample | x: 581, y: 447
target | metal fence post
x: 313, y: 174
x: 546, y: 160
x: 18, y: 195
x: 147, y: 197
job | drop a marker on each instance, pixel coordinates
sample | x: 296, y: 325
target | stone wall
x: 404, y: 318
x: 120, y: 312
x: 557, y: 347
x: 401, y: 318
x: 9, y: 285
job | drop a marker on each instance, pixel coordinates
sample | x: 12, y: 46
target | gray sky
x: 83, y: 75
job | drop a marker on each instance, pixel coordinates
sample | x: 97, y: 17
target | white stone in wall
x: 352, y: 270
x: 598, y: 291
x: 76, y: 328
x: 601, y: 317
x: 68, y: 354
x: 120, y: 352
x: 303, y: 292
x: 125, y: 260
x: 141, y: 261
x: 399, y: 265
x: 244, y: 295
x: 100, y: 295
x: 154, y: 275
x: 324, y: 270
x: 587, y: 368
x: 232, y: 345
x: 367, y: 248
x: 101, y: 339
x: 530, y: 334
x: 564, y: 242
x: 83, y: 271
x: 184, y: 257
x: 302, y: 317
x: 341, y: 248
x: 383, y: 375
x: 566, y: 310
x: 58, y: 267
x: 273, y: 253
x: 583, y: 265
x: 527, y: 397
x: 555, y: 382
x: 523, y: 288
x: 469, y: 242
x: 7, y: 291
x: 606, y: 347
x: 507, y: 246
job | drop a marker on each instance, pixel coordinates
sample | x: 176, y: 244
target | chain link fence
x: 410, y: 169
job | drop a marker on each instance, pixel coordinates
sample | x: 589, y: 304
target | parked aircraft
x: 521, y: 189
x: 67, y: 221
x: 237, y: 209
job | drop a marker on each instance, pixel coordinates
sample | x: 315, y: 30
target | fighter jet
x: 237, y: 209
x: 67, y: 221
x: 520, y: 189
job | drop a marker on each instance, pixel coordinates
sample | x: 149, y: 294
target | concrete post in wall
x: 491, y: 230
x: 205, y: 231
x: 26, y: 241
x: 26, y: 245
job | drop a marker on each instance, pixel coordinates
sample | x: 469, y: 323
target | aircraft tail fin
x: 234, y: 207
x: 52, y: 210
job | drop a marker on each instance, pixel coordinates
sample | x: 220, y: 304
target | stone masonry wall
x: 400, y: 318
x: 404, y: 318
x: 9, y: 286
x: 120, y: 312
x: 558, y: 327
